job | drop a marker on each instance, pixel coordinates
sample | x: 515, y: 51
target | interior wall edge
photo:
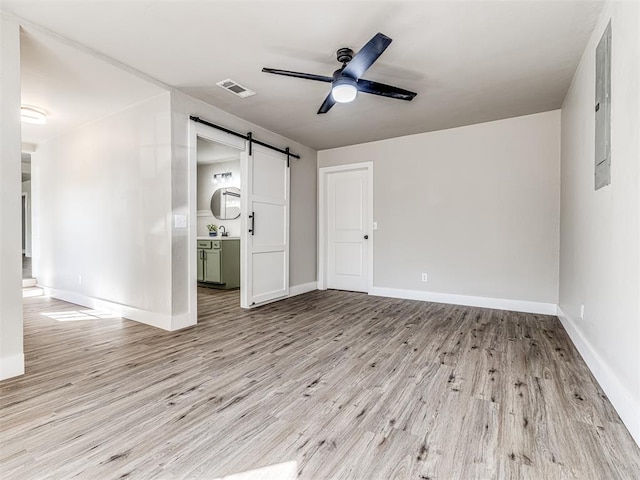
x: 11, y: 366
x: 11, y: 311
x: 183, y: 320
x: 619, y: 396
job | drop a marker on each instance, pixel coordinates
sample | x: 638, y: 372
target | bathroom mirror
x: 225, y: 203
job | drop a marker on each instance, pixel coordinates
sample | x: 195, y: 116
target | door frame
x: 200, y: 130
x: 323, y: 173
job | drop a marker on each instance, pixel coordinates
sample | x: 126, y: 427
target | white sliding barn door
x: 347, y: 200
x: 265, y: 200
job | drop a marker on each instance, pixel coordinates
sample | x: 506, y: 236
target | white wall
x: 206, y: 189
x: 476, y: 208
x: 600, y: 244
x: 102, y: 213
x: 303, y: 236
x: 11, y: 346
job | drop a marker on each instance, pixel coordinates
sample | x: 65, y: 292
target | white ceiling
x: 469, y: 61
x: 73, y: 87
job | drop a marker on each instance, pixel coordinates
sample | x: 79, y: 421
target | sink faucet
x: 223, y: 231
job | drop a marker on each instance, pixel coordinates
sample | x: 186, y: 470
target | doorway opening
x: 218, y: 222
x: 27, y: 270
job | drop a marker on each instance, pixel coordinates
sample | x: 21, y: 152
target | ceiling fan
x: 346, y: 81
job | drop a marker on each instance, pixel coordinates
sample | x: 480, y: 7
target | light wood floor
x: 347, y: 385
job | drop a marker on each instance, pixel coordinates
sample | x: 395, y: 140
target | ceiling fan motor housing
x: 345, y: 55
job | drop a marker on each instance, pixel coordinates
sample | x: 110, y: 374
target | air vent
x: 235, y: 88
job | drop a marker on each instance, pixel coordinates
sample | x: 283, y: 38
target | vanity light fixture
x: 29, y: 114
x: 222, y: 177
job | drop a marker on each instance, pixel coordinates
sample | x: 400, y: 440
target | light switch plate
x: 180, y: 221
x: 375, y: 225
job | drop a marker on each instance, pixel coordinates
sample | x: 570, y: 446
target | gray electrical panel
x: 603, y: 110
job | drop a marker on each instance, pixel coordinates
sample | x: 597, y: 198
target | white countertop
x: 218, y: 237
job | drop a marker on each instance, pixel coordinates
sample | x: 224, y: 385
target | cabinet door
x: 230, y: 264
x: 212, y: 266
x: 200, y: 265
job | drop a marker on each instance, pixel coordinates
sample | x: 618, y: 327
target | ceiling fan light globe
x: 344, y: 92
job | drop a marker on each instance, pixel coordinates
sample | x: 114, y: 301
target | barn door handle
x: 252, y: 230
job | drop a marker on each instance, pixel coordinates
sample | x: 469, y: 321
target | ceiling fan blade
x: 327, y: 104
x: 366, y: 56
x: 375, y: 88
x: 306, y: 76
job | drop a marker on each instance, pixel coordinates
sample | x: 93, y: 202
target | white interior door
x: 265, y: 202
x: 347, y: 198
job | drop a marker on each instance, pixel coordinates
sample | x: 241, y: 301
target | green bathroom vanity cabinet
x: 219, y: 263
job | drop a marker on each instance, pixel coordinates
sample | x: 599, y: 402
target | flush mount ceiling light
x: 29, y: 114
x: 344, y: 90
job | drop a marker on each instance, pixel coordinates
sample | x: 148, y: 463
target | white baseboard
x: 184, y: 320
x: 303, y: 288
x: 468, y: 300
x: 154, y: 319
x: 627, y: 407
x: 11, y: 366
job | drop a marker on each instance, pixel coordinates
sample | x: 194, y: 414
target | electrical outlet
x: 581, y: 312
x: 424, y: 277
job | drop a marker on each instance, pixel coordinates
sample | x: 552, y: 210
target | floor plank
x: 347, y: 385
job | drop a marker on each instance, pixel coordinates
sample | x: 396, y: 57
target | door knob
x: 366, y: 237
